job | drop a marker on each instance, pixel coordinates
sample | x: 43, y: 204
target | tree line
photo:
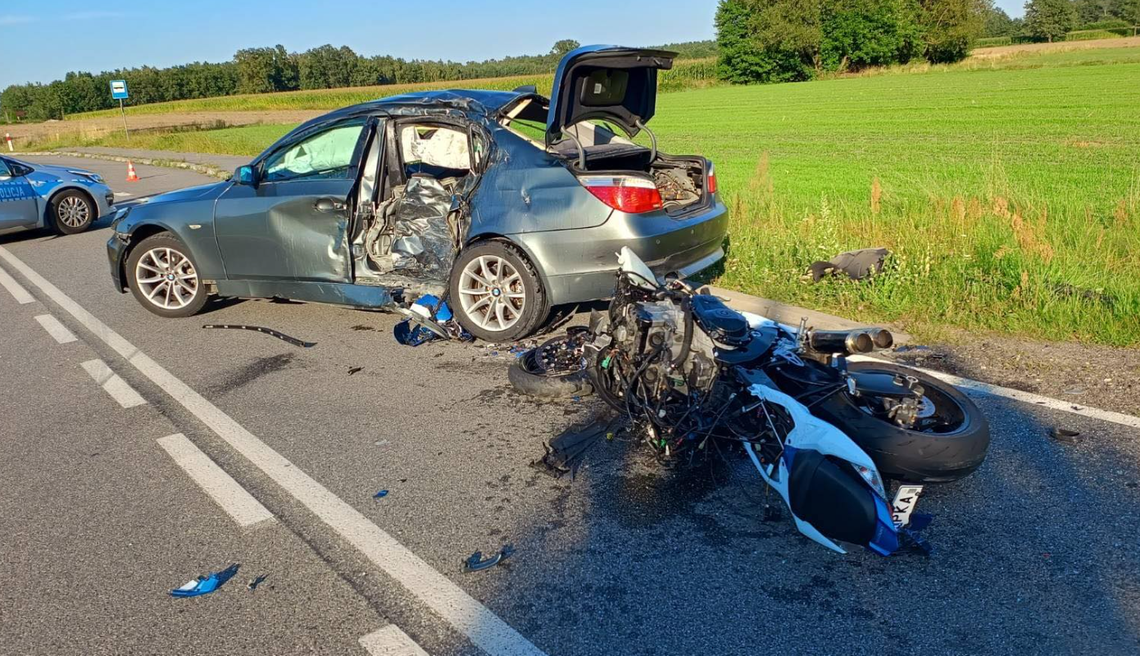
x: 791, y: 40
x: 1048, y: 20
x: 269, y: 69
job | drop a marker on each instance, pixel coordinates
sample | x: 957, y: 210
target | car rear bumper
x: 581, y: 265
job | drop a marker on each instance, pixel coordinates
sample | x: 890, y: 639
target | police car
x: 41, y: 196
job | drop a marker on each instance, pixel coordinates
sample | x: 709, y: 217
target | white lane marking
x: 122, y: 194
x: 221, y: 487
x: 471, y: 618
x: 391, y: 641
x: 15, y: 289
x: 57, y: 330
x: 118, y: 388
x: 1018, y: 395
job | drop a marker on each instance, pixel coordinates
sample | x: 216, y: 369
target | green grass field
x: 1008, y: 190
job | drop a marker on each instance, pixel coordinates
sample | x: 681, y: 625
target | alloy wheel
x: 73, y: 211
x: 491, y: 293
x: 166, y: 278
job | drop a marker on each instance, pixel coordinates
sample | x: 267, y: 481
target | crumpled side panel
x: 423, y: 242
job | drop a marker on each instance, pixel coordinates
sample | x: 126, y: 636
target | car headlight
x: 872, y: 478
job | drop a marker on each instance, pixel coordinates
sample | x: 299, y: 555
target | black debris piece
x: 261, y: 329
x: 256, y: 581
x: 565, y: 453
x: 355, y: 370
x: 857, y: 265
x: 1066, y: 290
x: 476, y: 563
x: 1064, y: 435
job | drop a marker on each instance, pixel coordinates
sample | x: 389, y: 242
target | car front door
x: 292, y: 222
x: 19, y: 206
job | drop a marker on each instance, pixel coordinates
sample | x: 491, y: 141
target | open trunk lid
x: 610, y: 83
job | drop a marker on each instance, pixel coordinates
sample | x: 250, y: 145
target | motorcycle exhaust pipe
x: 841, y: 341
x: 882, y: 338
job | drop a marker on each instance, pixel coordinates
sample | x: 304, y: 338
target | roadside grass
x: 1008, y: 192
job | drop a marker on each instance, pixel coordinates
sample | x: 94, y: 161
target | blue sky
x: 41, y: 41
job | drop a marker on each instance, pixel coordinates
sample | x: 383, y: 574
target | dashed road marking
x: 450, y: 602
x: 57, y: 330
x: 221, y: 487
x: 15, y: 289
x: 118, y: 388
x: 122, y: 194
x: 391, y: 641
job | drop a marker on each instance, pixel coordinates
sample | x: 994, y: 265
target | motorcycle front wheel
x: 950, y: 445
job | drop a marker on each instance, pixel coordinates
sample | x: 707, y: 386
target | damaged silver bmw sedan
x: 506, y: 203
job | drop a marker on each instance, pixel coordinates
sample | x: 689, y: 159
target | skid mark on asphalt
x: 116, y: 387
x: 221, y: 487
x: 15, y: 289
x: 483, y: 628
x: 57, y: 330
x: 391, y: 641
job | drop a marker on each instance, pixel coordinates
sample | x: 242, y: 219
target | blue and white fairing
x: 812, y: 433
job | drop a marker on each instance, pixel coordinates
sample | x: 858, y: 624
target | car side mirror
x: 245, y: 175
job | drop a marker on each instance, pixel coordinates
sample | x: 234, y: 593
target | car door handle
x: 329, y: 205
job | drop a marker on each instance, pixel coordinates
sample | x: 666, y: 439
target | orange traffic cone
x: 131, y: 175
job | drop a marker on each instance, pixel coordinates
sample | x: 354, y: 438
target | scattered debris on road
x: 205, y: 584
x: 476, y: 563
x: 858, y: 265
x: 1065, y: 436
x: 380, y: 495
x: 565, y: 453
x: 261, y: 329
x: 427, y: 319
x: 256, y: 581
x: 355, y: 370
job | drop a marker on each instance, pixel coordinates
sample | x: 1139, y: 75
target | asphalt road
x: 1039, y: 551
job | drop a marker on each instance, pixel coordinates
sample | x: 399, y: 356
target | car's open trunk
x: 679, y: 178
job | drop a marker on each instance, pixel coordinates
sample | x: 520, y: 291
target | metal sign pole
x: 125, y: 130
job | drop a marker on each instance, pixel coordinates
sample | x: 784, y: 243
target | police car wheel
x: 72, y: 212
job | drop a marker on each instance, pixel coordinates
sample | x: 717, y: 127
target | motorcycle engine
x: 643, y: 328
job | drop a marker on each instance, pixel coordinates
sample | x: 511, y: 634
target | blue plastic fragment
x: 380, y: 495
x: 206, y: 584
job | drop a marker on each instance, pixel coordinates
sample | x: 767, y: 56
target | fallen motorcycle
x: 691, y: 374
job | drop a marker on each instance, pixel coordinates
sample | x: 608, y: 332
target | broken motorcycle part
x: 1065, y: 436
x: 205, y: 584
x: 261, y: 329
x: 256, y: 581
x: 476, y: 563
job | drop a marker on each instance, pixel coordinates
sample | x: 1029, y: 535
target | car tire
x: 495, y: 292
x: 72, y: 212
x: 150, y: 267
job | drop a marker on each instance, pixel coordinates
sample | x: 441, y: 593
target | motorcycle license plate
x: 905, y: 500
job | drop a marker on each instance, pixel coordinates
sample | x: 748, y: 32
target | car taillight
x: 712, y: 179
x: 628, y: 194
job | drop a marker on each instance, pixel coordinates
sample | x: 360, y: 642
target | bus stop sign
x: 119, y: 90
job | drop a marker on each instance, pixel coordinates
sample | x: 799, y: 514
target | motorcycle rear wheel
x: 908, y: 455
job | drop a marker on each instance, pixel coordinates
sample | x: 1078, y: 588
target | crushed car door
x: 292, y: 222
x: 18, y: 206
